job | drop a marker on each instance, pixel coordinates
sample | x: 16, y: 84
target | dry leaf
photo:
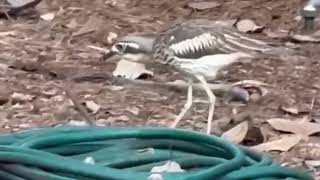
x: 203, y: 5
x: 169, y: 166
x: 312, y: 163
x: 291, y: 110
x: 282, y: 34
x: 302, y: 128
x: 133, y: 110
x: 283, y: 144
x: 114, y: 88
x: 237, y: 133
x: 8, y: 33
x: 92, y: 106
x: 130, y: 70
x: 305, y: 38
x: 22, y: 97
x: 77, y: 123
x: 122, y: 118
x: 251, y: 82
x: 227, y: 23
x: 48, y: 16
x: 248, y: 25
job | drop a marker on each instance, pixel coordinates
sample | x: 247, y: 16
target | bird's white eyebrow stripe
x: 134, y: 45
x: 192, y: 45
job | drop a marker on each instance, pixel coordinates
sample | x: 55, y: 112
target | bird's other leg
x: 212, y: 100
x: 186, y: 107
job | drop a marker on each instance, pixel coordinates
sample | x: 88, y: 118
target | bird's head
x: 136, y: 48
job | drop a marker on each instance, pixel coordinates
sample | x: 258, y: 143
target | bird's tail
x: 235, y: 41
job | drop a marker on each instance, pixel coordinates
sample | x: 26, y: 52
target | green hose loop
x: 129, y: 154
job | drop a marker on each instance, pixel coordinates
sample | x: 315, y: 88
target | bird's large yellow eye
x: 121, y: 47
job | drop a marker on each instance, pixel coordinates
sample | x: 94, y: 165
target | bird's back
x: 204, y: 47
x: 194, y: 40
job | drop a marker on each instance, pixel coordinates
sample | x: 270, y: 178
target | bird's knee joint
x: 212, y: 98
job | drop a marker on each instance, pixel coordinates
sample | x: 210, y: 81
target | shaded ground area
x: 48, y: 70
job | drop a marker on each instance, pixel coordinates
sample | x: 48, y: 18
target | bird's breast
x: 208, y: 66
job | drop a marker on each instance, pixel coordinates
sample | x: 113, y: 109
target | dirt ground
x: 49, y: 74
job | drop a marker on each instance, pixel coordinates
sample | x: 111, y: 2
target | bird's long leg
x: 212, y: 100
x: 186, y: 107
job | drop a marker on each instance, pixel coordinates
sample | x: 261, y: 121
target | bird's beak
x: 113, y: 52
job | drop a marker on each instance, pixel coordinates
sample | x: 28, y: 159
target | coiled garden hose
x: 59, y: 153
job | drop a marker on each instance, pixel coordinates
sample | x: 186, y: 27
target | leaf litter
x: 78, y: 33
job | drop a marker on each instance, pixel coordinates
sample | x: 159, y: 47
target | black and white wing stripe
x: 192, y: 41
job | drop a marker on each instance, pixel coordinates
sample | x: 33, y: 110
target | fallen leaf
x: 304, y: 38
x: 133, y: 110
x: 251, y: 82
x: 283, y: 144
x: 22, y: 97
x: 237, y: 133
x: 248, y: 25
x: 203, y: 5
x: 308, y: 150
x: 114, y: 88
x: 169, y: 166
x: 312, y: 163
x: 92, y: 106
x: 282, y: 34
x: 302, y: 128
x: 48, y: 16
x: 77, y: 123
x: 130, y: 70
x: 227, y: 23
x: 8, y: 33
x: 112, y: 120
x: 290, y: 110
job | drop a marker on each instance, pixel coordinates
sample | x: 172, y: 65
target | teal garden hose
x: 59, y: 153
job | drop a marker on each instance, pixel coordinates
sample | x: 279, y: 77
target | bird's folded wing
x: 188, y: 40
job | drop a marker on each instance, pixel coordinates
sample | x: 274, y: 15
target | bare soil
x: 47, y: 70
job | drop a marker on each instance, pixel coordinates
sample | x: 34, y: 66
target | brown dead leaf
x: 305, y: 38
x: 92, y: 106
x: 283, y: 144
x: 48, y: 16
x: 237, y: 133
x: 290, y: 110
x: 227, y: 23
x: 251, y: 82
x: 133, y: 110
x: 247, y: 25
x: 302, y: 128
x: 21, y: 97
x: 281, y: 34
x: 203, y: 5
x: 130, y: 70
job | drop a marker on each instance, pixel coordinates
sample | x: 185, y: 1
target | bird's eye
x: 121, y: 47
